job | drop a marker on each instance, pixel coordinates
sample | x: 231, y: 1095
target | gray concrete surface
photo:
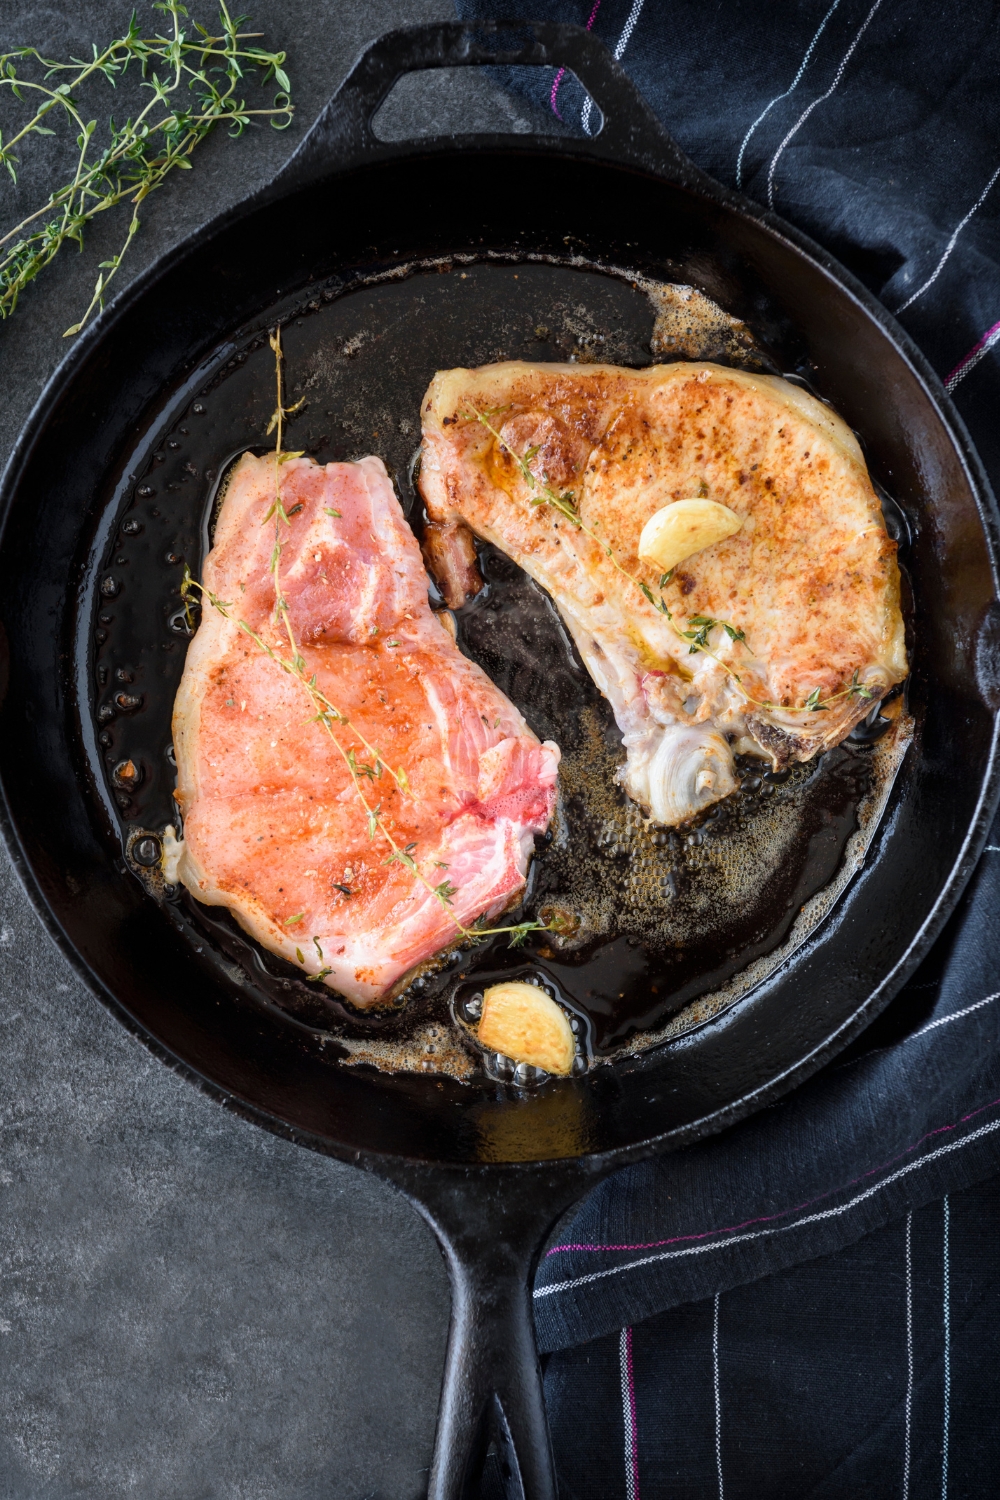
x: 191, y: 1309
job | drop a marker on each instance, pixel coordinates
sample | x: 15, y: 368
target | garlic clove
x: 522, y: 1022
x: 681, y: 529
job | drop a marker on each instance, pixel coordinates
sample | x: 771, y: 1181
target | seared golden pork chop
x: 273, y: 826
x: 810, y: 578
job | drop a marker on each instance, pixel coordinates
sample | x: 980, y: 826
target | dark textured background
x: 189, y: 1308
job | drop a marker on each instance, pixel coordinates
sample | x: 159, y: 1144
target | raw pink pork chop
x: 273, y: 827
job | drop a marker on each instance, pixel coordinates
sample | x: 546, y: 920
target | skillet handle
x: 492, y: 1388
x: 342, y: 136
x: 491, y: 1224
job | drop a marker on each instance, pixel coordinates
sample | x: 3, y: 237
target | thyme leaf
x: 703, y: 624
x: 857, y: 689
x: 517, y: 934
x: 362, y: 769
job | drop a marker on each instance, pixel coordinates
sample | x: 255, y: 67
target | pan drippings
x: 644, y: 920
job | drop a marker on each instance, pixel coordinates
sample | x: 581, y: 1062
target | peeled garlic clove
x: 173, y: 853
x: 522, y: 1022
x: 683, y: 528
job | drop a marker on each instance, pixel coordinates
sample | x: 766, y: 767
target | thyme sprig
x: 329, y: 715
x: 194, y: 80
x: 699, y: 626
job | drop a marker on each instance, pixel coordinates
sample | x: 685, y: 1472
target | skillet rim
x: 931, y: 389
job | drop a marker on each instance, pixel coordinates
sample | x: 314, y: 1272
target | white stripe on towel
x: 778, y: 97
x: 803, y: 117
x: 718, y: 1398
x: 741, y: 1239
x: 628, y: 1415
x: 946, y: 1300
x: 623, y: 41
x: 950, y: 246
x: 908, y: 1410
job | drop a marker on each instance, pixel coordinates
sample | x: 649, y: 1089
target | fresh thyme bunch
x: 195, y: 82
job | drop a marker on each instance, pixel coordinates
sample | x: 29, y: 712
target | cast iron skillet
x: 489, y: 1169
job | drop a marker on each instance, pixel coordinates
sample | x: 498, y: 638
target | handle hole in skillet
x: 487, y: 101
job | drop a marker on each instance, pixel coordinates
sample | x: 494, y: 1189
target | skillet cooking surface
x: 77, y: 476
x: 666, y: 915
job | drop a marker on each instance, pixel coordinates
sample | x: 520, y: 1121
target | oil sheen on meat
x: 810, y: 579
x: 273, y: 826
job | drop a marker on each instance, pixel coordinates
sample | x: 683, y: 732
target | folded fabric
x: 869, y: 1372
